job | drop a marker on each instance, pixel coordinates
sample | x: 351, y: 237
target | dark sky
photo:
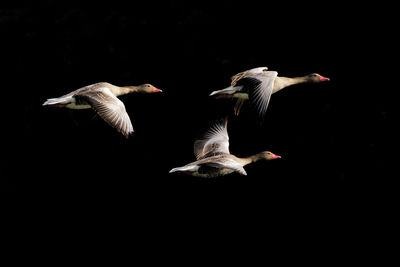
x: 333, y: 137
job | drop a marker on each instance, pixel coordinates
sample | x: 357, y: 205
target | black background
x: 333, y: 137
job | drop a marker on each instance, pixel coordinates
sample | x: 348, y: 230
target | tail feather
x: 51, y: 101
x: 54, y: 101
x: 190, y: 168
x: 227, y: 91
x: 174, y: 170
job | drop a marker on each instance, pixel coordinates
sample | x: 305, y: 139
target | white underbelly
x: 217, y: 173
x: 75, y: 106
x: 241, y: 95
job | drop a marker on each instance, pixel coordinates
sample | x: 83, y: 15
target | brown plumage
x: 213, y: 156
x: 102, y: 97
x: 258, y: 85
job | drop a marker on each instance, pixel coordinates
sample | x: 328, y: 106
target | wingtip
x: 129, y: 134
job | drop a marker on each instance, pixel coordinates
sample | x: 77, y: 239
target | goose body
x: 258, y: 84
x: 214, y: 166
x: 213, y: 156
x: 102, y: 97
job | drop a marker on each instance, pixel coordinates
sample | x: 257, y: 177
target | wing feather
x: 109, y: 108
x: 215, y: 141
x: 235, y: 78
x: 260, y: 86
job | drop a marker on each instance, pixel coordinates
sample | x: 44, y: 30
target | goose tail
x: 227, y: 91
x: 190, y: 168
x: 57, y: 102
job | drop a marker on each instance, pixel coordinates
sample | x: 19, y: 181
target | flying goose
x: 102, y: 97
x: 258, y: 85
x: 213, y: 156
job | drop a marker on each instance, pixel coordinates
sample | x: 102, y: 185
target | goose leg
x: 238, y: 106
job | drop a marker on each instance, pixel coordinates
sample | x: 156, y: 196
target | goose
x: 213, y: 156
x: 258, y: 84
x: 102, y: 97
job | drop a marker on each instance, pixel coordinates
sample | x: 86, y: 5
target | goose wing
x: 237, y: 77
x: 215, y: 141
x: 260, y: 86
x: 109, y: 108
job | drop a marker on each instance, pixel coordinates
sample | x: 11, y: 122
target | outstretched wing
x: 260, y: 86
x: 237, y: 77
x: 109, y: 107
x: 214, y: 142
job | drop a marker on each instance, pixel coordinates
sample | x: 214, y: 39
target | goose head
x: 316, y: 78
x: 266, y: 155
x: 148, y: 88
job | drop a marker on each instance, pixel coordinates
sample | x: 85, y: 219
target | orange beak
x: 323, y: 79
x: 155, y: 90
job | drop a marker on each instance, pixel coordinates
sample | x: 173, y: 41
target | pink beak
x: 276, y: 157
x: 323, y: 79
x: 155, y: 90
